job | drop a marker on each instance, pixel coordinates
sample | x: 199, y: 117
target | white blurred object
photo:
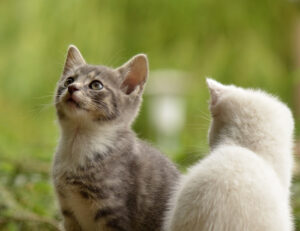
x: 167, y: 114
x: 167, y: 107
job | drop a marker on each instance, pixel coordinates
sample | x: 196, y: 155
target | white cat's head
x: 247, y: 117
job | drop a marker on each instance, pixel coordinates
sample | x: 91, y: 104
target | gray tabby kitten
x: 105, y: 177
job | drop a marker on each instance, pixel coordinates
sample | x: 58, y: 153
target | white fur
x: 244, y: 183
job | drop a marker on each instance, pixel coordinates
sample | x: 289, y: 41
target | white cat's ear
x: 134, y: 73
x: 215, y: 89
x: 74, y: 59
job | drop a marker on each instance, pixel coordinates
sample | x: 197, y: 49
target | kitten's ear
x: 215, y: 89
x: 74, y: 59
x: 134, y: 73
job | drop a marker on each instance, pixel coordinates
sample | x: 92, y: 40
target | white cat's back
x: 232, y: 189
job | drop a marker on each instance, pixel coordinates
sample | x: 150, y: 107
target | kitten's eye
x: 69, y: 81
x: 96, y: 85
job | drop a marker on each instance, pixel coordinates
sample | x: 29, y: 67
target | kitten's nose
x: 72, y: 88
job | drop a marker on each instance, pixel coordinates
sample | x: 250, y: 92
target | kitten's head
x: 247, y: 117
x: 89, y: 93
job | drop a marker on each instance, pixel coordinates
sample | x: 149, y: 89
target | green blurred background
x: 249, y: 43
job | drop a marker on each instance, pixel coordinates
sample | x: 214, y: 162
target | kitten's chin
x: 72, y: 104
x: 72, y: 110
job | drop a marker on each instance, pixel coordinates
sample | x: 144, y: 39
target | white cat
x: 244, y: 183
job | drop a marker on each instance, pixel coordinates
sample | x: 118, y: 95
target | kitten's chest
x: 92, y: 185
x: 82, y: 209
x: 78, y: 170
x: 82, y: 193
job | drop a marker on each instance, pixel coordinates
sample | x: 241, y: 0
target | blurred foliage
x: 248, y: 43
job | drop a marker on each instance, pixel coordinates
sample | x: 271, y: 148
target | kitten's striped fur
x: 105, y: 177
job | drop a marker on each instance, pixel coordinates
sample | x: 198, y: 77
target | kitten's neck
x: 71, y: 131
x: 80, y: 141
x: 277, y: 153
x: 279, y: 156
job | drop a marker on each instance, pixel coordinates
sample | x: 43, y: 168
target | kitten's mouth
x: 72, y: 102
